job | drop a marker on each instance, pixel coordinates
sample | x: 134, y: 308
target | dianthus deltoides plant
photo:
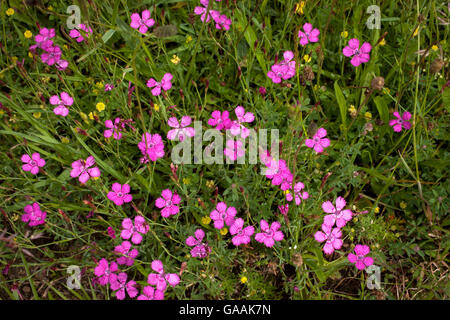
x: 91, y: 114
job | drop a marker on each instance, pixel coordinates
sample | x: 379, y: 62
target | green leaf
x: 108, y: 34
x: 342, y: 103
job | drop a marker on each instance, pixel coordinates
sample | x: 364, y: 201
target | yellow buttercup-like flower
x: 307, y: 58
x: 188, y: 39
x: 299, y: 7
x: 156, y: 106
x: 10, y: 11
x: 368, y: 115
x: 434, y: 48
x: 28, y: 34
x: 175, y: 59
x: 344, y: 34
x: 206, y: 220
x: 382, y: 42
x: 223, y: 231
x: 100, y: 106
x: 244, y: 279
x: 403, y: 205
x: 37, y: 115
x: 377, y: 209
x: 99, y: 85
x: 91, y: 115
x: 186, y: 181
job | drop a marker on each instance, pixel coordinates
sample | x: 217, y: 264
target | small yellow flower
x: 14, y: 59
x: 186, y: 180
x: 30, y: 54
x: 65, y: 140
x: 206, y: 220
x: 352, y: 230
x: 175, y: 59
x: 37, y: 115
x: 188, y: 39
x: 95, y: 178
x: 28, y: 34
x: 377, y: 210
x: 50, y: 8
x: 403, y: 205
x: 91, y: 115
x: 65, y: 46
x: 2, y: 112
x: 368, y: 115
x: 210, y: 184
x: 382, y: 42
x: 434, y: 48
x: 355, y: 220
x: 156, y: 107
x: 100, y: 106
x: 244, y: 279
x: 352, y: 110
x: 223, y: 231
x: 286, y: 192
x: 299, y: 7
x: 10, y: 11
x: 15, y: 218
x: 99, y: 85
x: 416, y: 31
x: 344, y: 34
x: 307, y: 58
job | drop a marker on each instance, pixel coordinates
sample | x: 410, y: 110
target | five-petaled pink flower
x: 114, y: 129
x: 203, y: 10
x: 241, y: 235
x: 223, y: 215
x: 220, y: 119
x: 360, y: 260
x: 51, y: 55
x: 134, y: 231
x: 149, y: 293
x: 32, y: 163
x: 269, y: 235
x: 221, y: 20
x: 61, y: 103
x: 161, y: 278
x: 151, y: 146
x: 318, y: 142
x: 200, y: 250
x: 242, y: 117
x: 127, y: 255
x: 43, y: 39
x: 336, y: 214
x: 105, y: 272
x: 82, y: 169
x: 234, y: 149
x: 119, y: 284
x: 279, y: 173
x: 165, y: 84
x: 299, y: 195
x: 360, y: 55
x: 77, y: 35
x: 331, y: 236
x: 401, y: 121
x: 119, y: 194
x: 142, y: 24
x: 181, y: 129
x: 308, y: 34
x: 168, y: 202
x: 284, y: 69
x: 34, y: 215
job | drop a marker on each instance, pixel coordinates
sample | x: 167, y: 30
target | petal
x: 157, y: 266
x: 365, y: 48
x: 173, y: 279
x: 328, y: 207
x: 320, y: 236
x: 353, y: 43
x: 340, y: 203
x: 199, y: 234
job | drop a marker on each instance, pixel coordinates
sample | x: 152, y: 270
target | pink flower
x: 298, y: 187
x: 221, y: 20
x: 43, y: 39
x: 165, y: 84
x: 168, y: 202
x: 203, y: 10
x: 61, y: 64
x: 332, y: 238
x: 51, y: 55
x: 134, y: 231
x: 220, y: 120
x: 34, y: 215
x: 279, y: 173
x: 81, y: 169
x: 109, y: 87
x: 337, y: 215
x: 111, y: 232
x: 142, y: 24
x: 309, y: 34
x: 181, y: 130
x: 113, y: 129
x: 223, y: 215
x: 151, y: 146
x: 242, y: 235
x: 284, y: 209
x: 32, y: 163
x: 127, y: 256
x: 269, y: 235
x: 85, y: 31
x: 360, y: 55
x: 61, y: 103
x: 200, y: 250
x: 283, y: 70
x: 120, y: 284
x: 360, y: 260
x: 105, y: 272
x: 234, y: 149
x: 149, y: 293
x: 119, y: 194
x: 318, y: 142
x: 401, y: 122
x: 242, y: 117
x: 161, y: 279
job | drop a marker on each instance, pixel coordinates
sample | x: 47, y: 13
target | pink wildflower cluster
x: 283, y: 70
x: 180, y: 129
x: 34, y: 215
x: 201, y: 249
x: 80, y: 31
x: 221, y: 20
x: 115, y: 128
x: 61, y: 102
x: 51, y: 53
